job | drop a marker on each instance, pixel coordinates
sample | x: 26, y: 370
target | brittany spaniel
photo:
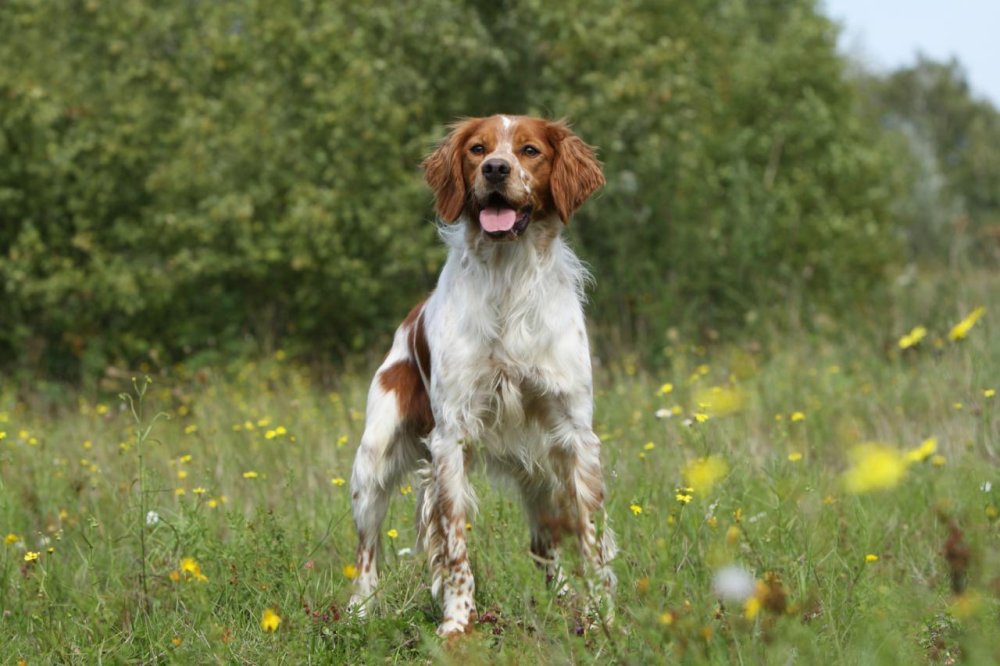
x: 494, y: 366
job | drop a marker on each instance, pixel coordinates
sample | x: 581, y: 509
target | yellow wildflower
x: 876, y: 467
x: 101, y: 409
x: 342, y: 440
x: 989, y: 393
x: 938, y: 460
x: 794, y: 456
x: 280, y: 430
x: 30, y: 556
x: 665, y: 389
x: 702, y: 473
x: 270, y: 620
x: 719, y: 401
x: 174, y: 576
x: 176, y: 641
x: 189, y: 429
x: 797, y: 416
x: 250, y: 475
x: 913, y: 338
x: 182, y: 474
x: 264, y: 422
x: 922, y: 452
x: 269, y: 434
x: 635, y: 508
x: 700, y: 417
x: 337, y: 481
x: 189, y: 565
x: 3, y: 434
x: 350, y: 571
x: 666, y: 618
x: 684, y: 495
x: 649, y: 446
x: 11, y: 538
x: 961, y: 329
x: 392, y: 533
x: 751, y: 607
x: 198, y: 491
x: 405, y: 490
x: 871, y: 557
x: 186, y: 458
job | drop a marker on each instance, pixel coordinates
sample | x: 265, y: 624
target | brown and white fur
x: 494, y: 366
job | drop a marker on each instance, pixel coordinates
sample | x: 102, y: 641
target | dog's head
x: 502, y: 172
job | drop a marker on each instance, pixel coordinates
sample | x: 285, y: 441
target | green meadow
x: 848, y: 468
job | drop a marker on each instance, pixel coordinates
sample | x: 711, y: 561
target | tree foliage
x: 183, y: 178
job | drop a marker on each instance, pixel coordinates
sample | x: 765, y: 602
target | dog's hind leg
x: 390, y: 447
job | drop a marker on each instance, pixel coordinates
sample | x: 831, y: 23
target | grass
x: 242, y: 511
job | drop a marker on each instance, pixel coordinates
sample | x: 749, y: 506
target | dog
x: 493, y: 366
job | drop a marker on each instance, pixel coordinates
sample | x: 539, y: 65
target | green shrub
x: 200, y: 178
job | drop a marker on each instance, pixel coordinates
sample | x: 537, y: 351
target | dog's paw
x: 451, y: 627
x: 357, y: 606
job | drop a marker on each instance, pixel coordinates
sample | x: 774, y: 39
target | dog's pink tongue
x: 497, y: 219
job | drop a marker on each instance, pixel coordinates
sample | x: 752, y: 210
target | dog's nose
x: 496, y: 170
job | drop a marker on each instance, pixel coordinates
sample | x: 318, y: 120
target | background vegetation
x: 191, y: 180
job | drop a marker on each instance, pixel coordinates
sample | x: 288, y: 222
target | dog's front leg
x: 449, y: 498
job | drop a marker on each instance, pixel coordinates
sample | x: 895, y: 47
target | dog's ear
x: 443, y: 172
x: 576, y: 173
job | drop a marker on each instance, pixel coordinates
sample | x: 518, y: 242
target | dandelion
x: 700, y: 417
x: 189, y: 565
x: 876, y: 467
x: 264, y: 422
x: 392, y: 533
x: 269, y: 434
x: 702, y: 473
x: 270, y: 620
x: 198, y: 491
x: 665, y: 389
x: 280, y: 430
x: 30, y: 556
x: 922, y: 452
x: 635, y: 509
x: 913, y: 338
x: 337, y: 481
x: 797, y: 416
x: 794, y: 456
x: 176, y: 641
x: 751, y: 608
x: 182, y: 474
x: 987, y: 393
x: 684, y: 495
x: 350, y: 571
x: 342, y: 441
x: 87, y: 444
x: 719, y: 401
x: 101, y: 409
x: 186, y: 458
x: 180, y: 492
x: 405, y: 490
x: 190, y: 429
x: 11, y: 538
x: 649, y: 446
x: 961, y: 329
x: 3, y: 435
x: 250, y: 475
x: 871, y: 557
x: 666, y: 618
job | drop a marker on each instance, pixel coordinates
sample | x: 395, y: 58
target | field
x: 854, y: 480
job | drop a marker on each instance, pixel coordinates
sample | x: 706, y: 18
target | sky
x: 889, y: 33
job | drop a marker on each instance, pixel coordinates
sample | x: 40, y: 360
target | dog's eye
x: 478, y: 149
x: 531, y: 151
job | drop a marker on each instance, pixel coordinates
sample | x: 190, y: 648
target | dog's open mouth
x: 500, y: 219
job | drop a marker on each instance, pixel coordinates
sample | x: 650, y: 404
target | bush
x: 201, y: 178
